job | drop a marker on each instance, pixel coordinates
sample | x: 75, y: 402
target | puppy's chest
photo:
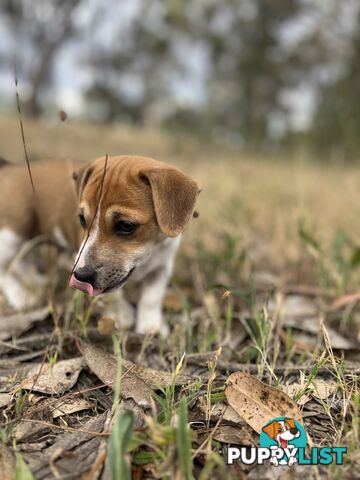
x: 161, y: 257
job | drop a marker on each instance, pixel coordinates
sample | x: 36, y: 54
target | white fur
x: 15, y: 293
x: 88, y: 243
x: 285, y: 435
x: 153, y: 275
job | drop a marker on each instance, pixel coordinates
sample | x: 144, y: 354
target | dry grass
x: 246, y: 239
x: 245, y: 195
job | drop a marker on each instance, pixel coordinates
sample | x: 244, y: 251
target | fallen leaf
x: 137, y: 382
x: 5, y: 399
x: 68, y: 406
x: 294, y: 389
x: 36, y: 422
x: 104, y: 366
x: 312, y: 325
x: 256, y: 402
x: 292, y: 306
x: 15, y: 324
x: 56, y: 379
x: 239, y: 435
x: 323, y: 388
x: 220, y: 410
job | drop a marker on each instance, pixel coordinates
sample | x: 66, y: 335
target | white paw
x: 274, y: 461
x: 292, y: 461
x: 151, y: 323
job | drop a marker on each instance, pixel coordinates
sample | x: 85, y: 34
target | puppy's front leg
x: 149, y: 318
x: 14, y: 292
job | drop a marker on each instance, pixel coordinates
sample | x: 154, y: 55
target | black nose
x: 85, y: 274
x: 294, y: 431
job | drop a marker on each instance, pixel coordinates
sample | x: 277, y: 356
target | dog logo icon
x: 284, y: 436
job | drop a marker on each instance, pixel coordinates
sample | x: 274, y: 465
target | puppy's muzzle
x: 84, y: 279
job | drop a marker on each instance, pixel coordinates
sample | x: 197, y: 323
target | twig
x: 22, y: 130
x: 67, y: 429
x: 95, y: 215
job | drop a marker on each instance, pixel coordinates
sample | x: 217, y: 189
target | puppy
x: 127, y: 213
x: 282, y: 432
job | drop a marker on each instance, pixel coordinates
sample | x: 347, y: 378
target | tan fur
x: 158, y: 198
x: 53, y: 205
x: 55, y: 202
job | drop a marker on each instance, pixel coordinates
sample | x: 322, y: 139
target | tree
x: 38, y: 29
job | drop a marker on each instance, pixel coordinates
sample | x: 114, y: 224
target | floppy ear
x: 270, y: 429
x: 81, y: 177
x: 290, y: 422
x: 174, y: 195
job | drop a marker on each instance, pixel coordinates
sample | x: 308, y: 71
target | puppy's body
x: 132, y: 209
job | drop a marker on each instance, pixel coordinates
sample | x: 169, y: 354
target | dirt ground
x: 266, y: 288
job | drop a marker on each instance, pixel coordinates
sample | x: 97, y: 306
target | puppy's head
x: 282, y: 431
x: 124, y: 211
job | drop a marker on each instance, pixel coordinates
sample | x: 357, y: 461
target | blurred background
x: 258, y: 100
x: 256, y: 74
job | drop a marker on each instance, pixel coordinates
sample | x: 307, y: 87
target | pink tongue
x: 84, y: 287
x: 283, y: 443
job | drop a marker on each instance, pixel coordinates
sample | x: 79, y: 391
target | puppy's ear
x: 174, y: 195
x: 290, y: 422
x: 270, y: 430
x: 81, y: 177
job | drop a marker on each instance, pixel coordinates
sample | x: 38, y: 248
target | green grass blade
x: 22, y: 471
x: 119, y: 440
x: 183, y: 441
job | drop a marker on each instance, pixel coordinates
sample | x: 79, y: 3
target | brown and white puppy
x: 127, y: 219
x: 282, y: 431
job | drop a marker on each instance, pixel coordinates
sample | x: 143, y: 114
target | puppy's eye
x: 124, y: 228
x: 82, y: 220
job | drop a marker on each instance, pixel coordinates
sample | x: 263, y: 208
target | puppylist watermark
x: 283, y: 442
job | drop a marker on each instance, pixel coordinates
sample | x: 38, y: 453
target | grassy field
x: 261, y: 287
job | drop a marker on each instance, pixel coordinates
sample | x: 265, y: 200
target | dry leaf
x: 56, y: 379
x: 256, y: 402
x: 293, y: 306
x: 5, y: 399
x: 312, y: 325
x: 294, y: 389
x: 243, y: 435
x: 36, y: 422
x: 15, y: 324
x: 220, y: 410
x: 323, y: 388
x: 68, y: 406
x: 104, y: 366
x: 136, y: 382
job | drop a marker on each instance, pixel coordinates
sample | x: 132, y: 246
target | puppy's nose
x: 85, y: 274
x: 294, y: 431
